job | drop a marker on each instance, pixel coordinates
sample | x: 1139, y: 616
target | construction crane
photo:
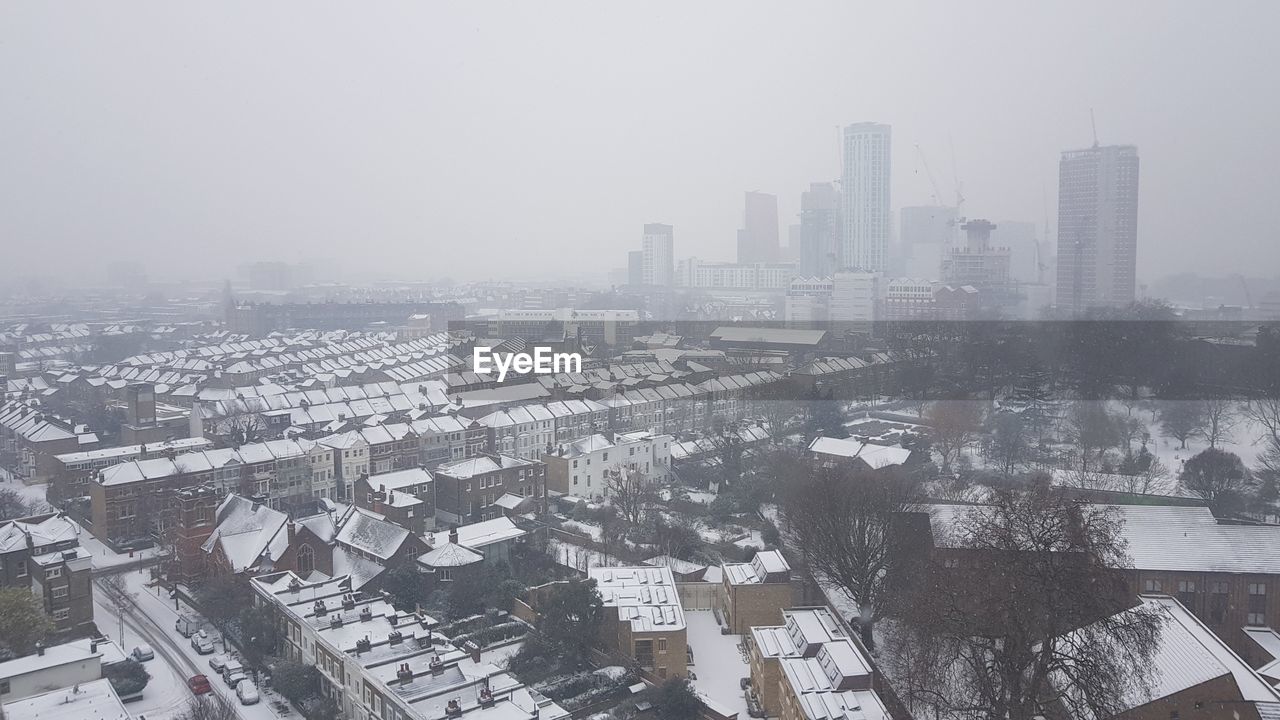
x: 937, y: 194
x: 955, y: 178
x: 1248, y: 296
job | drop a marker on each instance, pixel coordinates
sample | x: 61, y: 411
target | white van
x: 186, y: 625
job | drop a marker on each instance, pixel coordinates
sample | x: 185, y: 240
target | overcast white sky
x: 517, y: 139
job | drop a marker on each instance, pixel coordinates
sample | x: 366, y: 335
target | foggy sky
x: 501, y: 140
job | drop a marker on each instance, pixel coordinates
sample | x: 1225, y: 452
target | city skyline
x: 320, y: 154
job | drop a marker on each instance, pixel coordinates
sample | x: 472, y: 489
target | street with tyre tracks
x: 165, y: 696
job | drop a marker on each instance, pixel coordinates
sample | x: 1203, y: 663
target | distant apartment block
x: 758, y: 238
x: 658, y: 254
x: 1097, y: 227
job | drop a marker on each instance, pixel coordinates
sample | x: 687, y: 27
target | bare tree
x: 119, y: 596
x: 1220, y: 419
x: 242, y: 426
x: 842, y: 522
x: 631, y: 492
x: 1010, y: 444
x: 1038, y: 617
x: 1264, y: 414
x: 1092, y: 429
x: 1181, y: 420
x: 956, y: 425
x: 14, y: 505
x: 208, y: 708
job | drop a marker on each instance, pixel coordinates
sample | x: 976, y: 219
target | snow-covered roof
x: 43, y: 530
x: 803, y: 631
x: 644, y: 596
x: 766, y: 563
x: 483, y: 465
x: 248, y: 532
x: 400, y: 479
x: 1189, y: 654
x: 877, y: 456
x: 478, y: 535
x: 94, y: 700
x: 682, y: 567
x: 369, y: 533
x: 450, y: 555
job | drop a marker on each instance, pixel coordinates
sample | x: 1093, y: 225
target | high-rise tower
x: 1097, y: 227
x: 865, y: 196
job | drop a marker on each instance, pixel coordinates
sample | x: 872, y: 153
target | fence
x: 699, y: 595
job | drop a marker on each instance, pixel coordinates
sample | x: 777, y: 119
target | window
x: 1257, y: 619
x: 951, y: 562
x: 446, y: 574
x: 1257, y: 602
x: 1153, y: 586
x: 53, y: 573
x: 306, y: 560
x: 662, y: 645
x: 1187, y: 594
x: 1217, y: 602
x: 61, y: 591
x: 22, y: 568
x: 62, y: 613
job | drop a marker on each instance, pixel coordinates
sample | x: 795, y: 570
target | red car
x: 199, y: 684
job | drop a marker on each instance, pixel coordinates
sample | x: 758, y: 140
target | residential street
x: 150, y: 620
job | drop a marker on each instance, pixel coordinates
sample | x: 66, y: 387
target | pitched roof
x: 43, y: 530
x: 369, y: 533
x: 248, y: 532
x: 450, y: 555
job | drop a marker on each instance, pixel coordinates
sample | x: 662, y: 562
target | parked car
x: 202, y: 643
x: 143, y: 653
x: 199, y: 684
x: 235, y: 678
x: 217, y: 662
x: 186, y: 625
x: 247, y: 692
x: 232, y: 667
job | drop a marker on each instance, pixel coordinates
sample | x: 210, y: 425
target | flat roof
x: 644, y: 595
x: 95, y: 700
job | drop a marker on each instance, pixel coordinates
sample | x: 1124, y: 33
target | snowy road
x: 150, y: 621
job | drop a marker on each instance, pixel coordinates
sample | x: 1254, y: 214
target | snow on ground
x: 153, y: 623
x: 595, y: 532
x: 753, y: 539
x: 719, y: 661
x: 34, y: 494
x: 576, y: 557
x: 166, y: 693
x: 104, y: 557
